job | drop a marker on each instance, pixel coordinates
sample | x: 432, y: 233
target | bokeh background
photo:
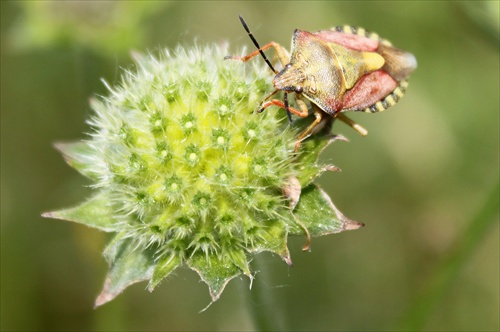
x: 425, y: 180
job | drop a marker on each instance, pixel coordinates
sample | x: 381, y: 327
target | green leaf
x: 317, y: 213
x: 215, y: 270
x: 95, y: 213
x: 165, y: 265
x: 128, y: 264
x: 80, y: 156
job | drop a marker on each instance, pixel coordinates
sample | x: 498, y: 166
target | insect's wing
x: 398, y: 63
x: 382, y: 88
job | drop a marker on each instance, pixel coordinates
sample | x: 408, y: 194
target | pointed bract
x: 319, y: 215
x: 164, y: 267
x: 215, y: 271
x: 128, y: 264
x: 273, y: 238
x: 80, y: 156
x: 96, y: 213
x: 312, y: 148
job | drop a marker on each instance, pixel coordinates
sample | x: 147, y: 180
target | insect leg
x: 285, y: 105
x: 361, y: 130
x: 282, y: 55
x: 303, y: 113
x: 306, y: 133
x: 261, y: 109
x: 300, y: 103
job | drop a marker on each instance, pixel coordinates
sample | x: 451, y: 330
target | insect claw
x: 297, y: 146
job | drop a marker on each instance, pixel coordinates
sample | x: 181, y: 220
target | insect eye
x: 289, y: 65
x: 299, y: 89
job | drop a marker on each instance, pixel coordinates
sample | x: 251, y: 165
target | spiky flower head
x: 185, y: 172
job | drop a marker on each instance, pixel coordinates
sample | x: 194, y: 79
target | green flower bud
x: 185, y: 172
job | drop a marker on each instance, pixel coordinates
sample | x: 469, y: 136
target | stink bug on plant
x: 337, y: 70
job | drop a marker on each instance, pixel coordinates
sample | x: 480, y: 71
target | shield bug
x: 337, y: 70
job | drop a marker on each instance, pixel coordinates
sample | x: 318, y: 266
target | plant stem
x: 267, y: 316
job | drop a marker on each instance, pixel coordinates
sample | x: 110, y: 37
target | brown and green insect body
x: 337, y: 70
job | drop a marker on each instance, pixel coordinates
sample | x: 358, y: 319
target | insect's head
x: 291, y: 78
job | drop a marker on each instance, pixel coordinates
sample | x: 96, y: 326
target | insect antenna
x: 256, y: 44
x: 245, y: 26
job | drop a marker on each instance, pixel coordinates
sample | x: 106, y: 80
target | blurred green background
x: 425, y: 180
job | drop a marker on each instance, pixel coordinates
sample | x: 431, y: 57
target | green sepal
x: 95, y: 213
x: 309, y: 152
x: 273, y: 238
x: 215, y: 270
x: 129, y: 263
x: 164, y: 266
x: 80, y: 156
x: 239, y: 258
x: 317, y: 213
